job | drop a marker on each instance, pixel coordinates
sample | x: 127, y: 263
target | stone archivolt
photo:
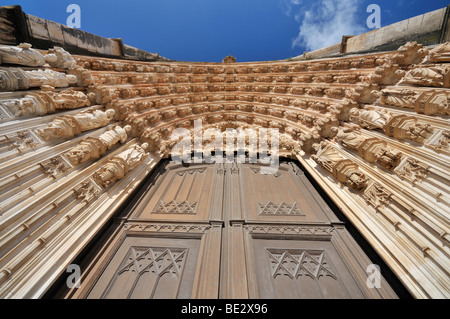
x: 372, y: 129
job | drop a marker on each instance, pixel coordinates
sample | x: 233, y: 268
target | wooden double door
x: 227, y: 231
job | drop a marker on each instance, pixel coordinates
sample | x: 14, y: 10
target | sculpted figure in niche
x: 115, y: 135
x: 400, y: 98
x: 388, y: 158
x: 22, y: 54
x: 114, y: 169
x: 71, y: 99
x: 82, y: 153
x: 357, y: 180
x: 38, y: 78
x: 371, y: 119
x: 432, y: 76
x: 86, y: 149
x: 62, y: 59
x: 90, y: 120
x: 26, y: 106
x: 63, y: 127
x: 348, y: 138
x: 440, y: 53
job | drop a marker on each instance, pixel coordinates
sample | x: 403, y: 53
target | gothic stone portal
x: 227, y: 231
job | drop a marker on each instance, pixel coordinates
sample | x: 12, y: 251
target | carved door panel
x: 144, y: 268
x: 228, y: 231
x: 302, y: 269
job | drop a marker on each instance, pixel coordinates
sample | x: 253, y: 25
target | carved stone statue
x: 400, y: 98
x: 357, y: 180
x: 70, y: 125
x: 419, y: 132
x: 26, y: 106
x: 371, y: 119
x: 90, y: 120
x: 388, y: 158
x: 120, y: 165
x: 348, y: 138
x: 82, y: 153
x: 440, y: 54
x: 45, y: 102
x: 343, y: 169
x: 62, y: 60
x: 428, y: 76
x: 115, y: 135
x: 134, y: 154
x: 22, y: 54
x: 38, y: 78
x: 93, y: 148
x: 71, y: 99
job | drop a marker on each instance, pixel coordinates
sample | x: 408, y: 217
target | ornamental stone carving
x: 430, y: 102
x: 437, y: 76
x: 410, y: 53
x: 22, y: 54
x: 93, y: 148
x: 71, y: 125
x: 55, y: 166
x: 63, y: 59
x: 404, y: 98
x: 412, y: 170
x: 344, y: 170
x: 349, y: 138
x: 370, y: 119
x: 440, y: 54
x: 44, y: 102
x: 374, y: 150
x: 118, y: 166
x: 377, y: 195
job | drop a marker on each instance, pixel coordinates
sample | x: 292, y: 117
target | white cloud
x: 326, y: 21
x: 287, y: 6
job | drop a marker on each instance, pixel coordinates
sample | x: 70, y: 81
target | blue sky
x: 209, y: 30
